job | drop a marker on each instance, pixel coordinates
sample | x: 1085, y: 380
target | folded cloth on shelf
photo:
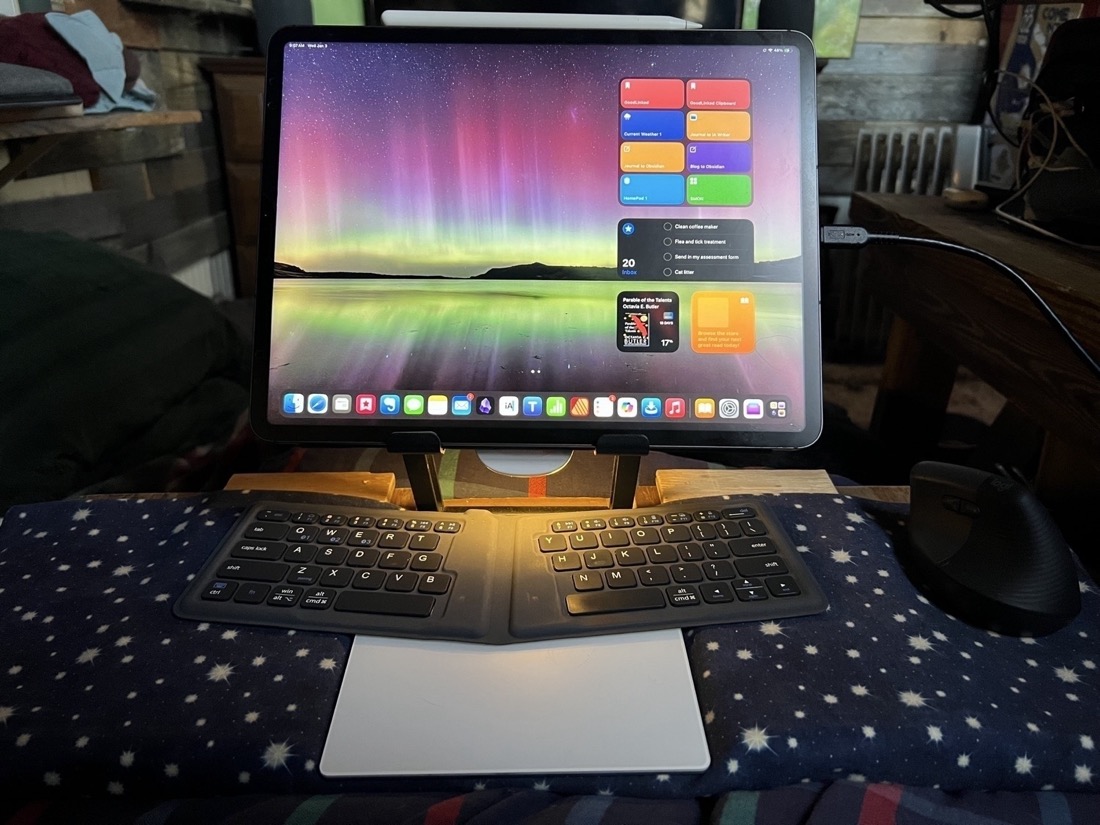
x: 29, y: 40
x: 27, y: 86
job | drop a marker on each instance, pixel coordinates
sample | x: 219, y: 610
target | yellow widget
x: 723, y: 322
x: 640, y: 156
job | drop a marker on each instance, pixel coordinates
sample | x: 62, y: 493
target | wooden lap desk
x: 952, y: 310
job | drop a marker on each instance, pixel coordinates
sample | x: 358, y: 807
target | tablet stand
x: 420, y: 452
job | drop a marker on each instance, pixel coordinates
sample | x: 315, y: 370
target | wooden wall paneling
x: 145, y: 221
x: 130, y: 180
x: 91, y: 216
x: 193, y: 242
x: 93, y: 150
x: 78, y: 182
x: 241, y: 111
x: 191, y: 168
x: 136, y: 29
x: 244, y: 187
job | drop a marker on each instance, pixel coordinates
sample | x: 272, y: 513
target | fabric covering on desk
x: 104, y: 692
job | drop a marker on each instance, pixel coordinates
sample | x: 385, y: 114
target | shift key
x: 258, y: 571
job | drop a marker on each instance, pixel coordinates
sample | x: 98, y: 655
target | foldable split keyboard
x: 497, y: 578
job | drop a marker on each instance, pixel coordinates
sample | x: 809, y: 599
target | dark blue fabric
x: 104, y: 692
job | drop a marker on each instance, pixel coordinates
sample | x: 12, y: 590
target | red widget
x: 718, y: 94
x: 651, y: 93
x: 366, y: 404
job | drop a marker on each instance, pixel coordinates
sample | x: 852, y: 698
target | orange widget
x: 719, y: 126
x: 723, y: 322
x: 651, y: 93
x: 645, y: 156
x: 718, y: 94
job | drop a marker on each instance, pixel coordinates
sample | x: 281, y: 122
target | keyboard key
x: 261, y: 571
x: 363, y: 558
x: 553, y: 543
x: 362, y: 538
x: 318, y: 599
x: 567, y: 526
x: 336, y: 577
x: 395, y: 560
x: 718, y: 570
x: 418, y: 525
x: 265, y: 530
x: 614, y: 538
x: 426, y: 562
x: 630, y: 556
x: 264, y: 550
x: 587, y: 581
x: 678, y: 518
x: 304, y: 574
x: 685, y: 573
x: 651, y: 520
x: 252, y: 593
x: 662, y: 554
x: 613, y: 601
x: 593, y: 524
x: 333, y: 519
x: 717, y: 593
x: 761, y: 566
x: 304, y: 518
x: 707, y: 515
x: 596, y: 559
x: 388, y: 604
x: 393, y: 541
x: 273, y: 515
x: 300, y: 554
x: 361, y: 521
x: 738, y: 512
x: 753, y: 527
x: 751, y: 594
x: 645, y: 535
x: 302, y: 533
x: 220, y: 591
x: 682, y: 596
x: 716, y: 549
x: 782, y: 586
x: 618, y: 579
x: 435, y: 583
x: 651, y: 576
x: 424, y: 541
x: 368, y: 580
x: 284, y: 596
x: 331, y: 555
x: 447, y: 527
x: 703, y: 532
x: 675, y: 533
x: 690, y: 552
x: 753, y: 547
x: 390, y: 523
x: 332, y: 535
x: 584, y: 541
x: 566, y: 562
x: 728, y: 529
x: 620, y: 522
x: 401, y: 582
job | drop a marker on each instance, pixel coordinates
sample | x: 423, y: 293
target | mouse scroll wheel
x: 961, y: 506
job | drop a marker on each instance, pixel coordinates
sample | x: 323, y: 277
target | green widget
x: 719, y: 190
x: 414, y: 405
x: 556, y: 406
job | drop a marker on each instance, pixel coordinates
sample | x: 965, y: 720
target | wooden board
x: 183, y: 171
x: 150, y: 220
x: 89, y: 217
x: 193, y: 242
x: 95, y: 123
x: 677, y: 485
x: 375, y: 486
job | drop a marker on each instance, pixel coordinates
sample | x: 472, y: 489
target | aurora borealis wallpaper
x: 451, y: 159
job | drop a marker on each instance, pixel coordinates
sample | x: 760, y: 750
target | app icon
x: 532, y: 405
x: 461, y: 404
x: 603, y: 407
x: 729, y: 408
x: 294, y: 403
x: 777, y: 409
x: 366, y: 404
x: 651, y: 407
x: 753, y: 408
x: 484, y: 405
x: 704, y: 408
x: 579, y: 406
x: 317, y: 403
x: 675, y: 407
x: 414, y: 405
x: 556, y: 406
x: 389, y: 404
x: 509, y: 405
x: 341, y: 403
x: 628, y: 407
x: 437, y: 405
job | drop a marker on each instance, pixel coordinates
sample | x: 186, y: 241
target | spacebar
x: 613, y: 601
x: 391, y: 604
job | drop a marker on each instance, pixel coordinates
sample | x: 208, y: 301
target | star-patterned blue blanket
x: 104, y: 692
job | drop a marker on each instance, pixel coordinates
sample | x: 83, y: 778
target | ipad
x: 538, y: 239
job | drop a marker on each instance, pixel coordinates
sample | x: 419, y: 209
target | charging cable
x: 858, y: 237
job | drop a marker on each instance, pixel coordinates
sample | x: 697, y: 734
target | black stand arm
x: 420, y: 452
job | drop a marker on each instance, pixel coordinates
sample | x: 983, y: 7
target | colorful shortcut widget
x: 723, y: 322
x: 685, y: 142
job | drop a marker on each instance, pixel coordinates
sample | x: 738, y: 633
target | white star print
x: 830, y: 699
x: 963, y: 761
x: 541, y: 785
x: 220, y: 673
x: 744, y: 655
x: 919, y: 643
x: 663, y: 777
x: 276, y: 754
x: 1086, y: 742
x: 258, y: 660
x: 1082, y: 773
x: 860, y: 690
x: 841, y: 556
x: 974, y: 722
x: 88, y: 656
x: 912, y: 699
x: 898, y: 617
x: 82, y: 742
x: 605, y: 792
x: 935, y: 733
x: 6, y: 713
x: 1089, y: 664
x: 251, y: 716
x: 754, y: 738
x: 302, y: 652
x: 811, y: 650
x: 243, y: 777
x: 732, y: 766
x: 327, y: 663
x: 1067, y: 675
x: 852, y: 653
x: 868, y: 732
x: 162, y: 597
x: 771, y: 629
x: 851, y: 579
x: 479, y: 786
x: 82, y: 514
x: 709, y: 717
x: 712, y: 646
x: 127, y: 759
x: 52, y: 778
x: 123, y: 570
x: 855, y: 518
x: 122, y: 641
x: 229, y: 635
x: 115, y: 788
x: 792, y: 743
x: 1024, y: 765
x: 171, y: 769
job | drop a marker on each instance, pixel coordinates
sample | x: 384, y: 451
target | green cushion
x: 98, y: 356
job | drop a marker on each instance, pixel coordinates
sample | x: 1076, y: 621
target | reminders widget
x: 685, y: 250
x: 648, y: 322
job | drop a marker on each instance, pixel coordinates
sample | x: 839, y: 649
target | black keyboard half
x: 496, y: 578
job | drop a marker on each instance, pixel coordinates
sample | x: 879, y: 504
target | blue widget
x: 651, y: 190
x: 294, y: 403
x: 651, y: 408
x: 461, y: 405
x: 532, y: 405
x: 317, y: 403
x: 389, y: 404
x: 643, y: 124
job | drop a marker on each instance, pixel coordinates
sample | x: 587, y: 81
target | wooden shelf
x: 19, y: 130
